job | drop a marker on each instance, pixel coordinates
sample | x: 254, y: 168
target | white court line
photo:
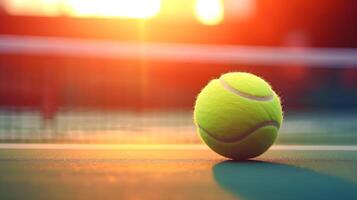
x: 104, y: 146
x: 315, y: 147
x: 169, y: 147
x: 192, y: 53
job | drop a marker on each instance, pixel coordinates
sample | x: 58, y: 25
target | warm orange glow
x: 115, y: 8
x: 209, y: 12
x: 241, y: 9
x: 141, y: 9
x: 33, y: 7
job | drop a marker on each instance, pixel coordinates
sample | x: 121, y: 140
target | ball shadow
x: 265, y: 180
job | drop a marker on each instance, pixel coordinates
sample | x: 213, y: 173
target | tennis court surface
x: 320, y: 168
x: 175, y: 172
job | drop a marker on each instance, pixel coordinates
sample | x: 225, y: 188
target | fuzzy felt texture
x: 231, y: 111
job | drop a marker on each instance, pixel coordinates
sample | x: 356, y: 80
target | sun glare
x: 32, y: 7
x: 115, y: 8
x: 209, y: 12
x: 141, y: 9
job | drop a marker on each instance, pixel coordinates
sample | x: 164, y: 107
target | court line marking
x: 169, y: 147
x: 315, y: 147
x: 193, y: 53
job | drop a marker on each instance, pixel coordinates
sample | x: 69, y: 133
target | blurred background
x: 116, y: 71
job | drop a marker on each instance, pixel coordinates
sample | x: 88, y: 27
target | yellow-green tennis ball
x: 238, y: 115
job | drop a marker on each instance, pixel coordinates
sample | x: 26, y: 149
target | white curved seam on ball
x: 243, y: 94
x: 244, y: 134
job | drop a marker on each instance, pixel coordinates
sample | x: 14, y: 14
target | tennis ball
x: 238, y: 115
